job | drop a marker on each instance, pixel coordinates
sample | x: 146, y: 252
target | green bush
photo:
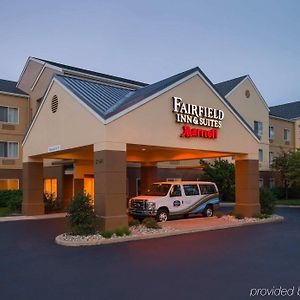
x: 260, y: 216
x: 122, y: 231
x: 267, y: 201
x: 81, y: 216
x: 151, y: 223
x: 7, y: 196
x: 238, y: 216
x: 107, y: 234
x: 293, y: 192
x: 51, y: 202
x: 219, y: 214
x: 134, y: 222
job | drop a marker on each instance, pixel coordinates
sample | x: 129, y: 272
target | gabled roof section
x: 108, y: 102
x: 225, y: 87
x: 10, y: 87
x: 98, y: 96
x: 84, y: 72
x: 289, y: 110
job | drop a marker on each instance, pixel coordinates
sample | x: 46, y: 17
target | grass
x: 288, y: 202
x: 4, y: 211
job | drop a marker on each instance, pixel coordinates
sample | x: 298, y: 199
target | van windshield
x: 157, y: 189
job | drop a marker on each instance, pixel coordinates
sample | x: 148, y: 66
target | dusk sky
x: 150, y: 40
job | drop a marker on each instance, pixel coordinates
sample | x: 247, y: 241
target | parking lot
x: 223, y: 264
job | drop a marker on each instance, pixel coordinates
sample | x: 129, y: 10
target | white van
x: 181, y: 198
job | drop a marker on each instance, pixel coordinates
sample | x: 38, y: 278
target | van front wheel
x: 162, y: 215
x: 208, y: 212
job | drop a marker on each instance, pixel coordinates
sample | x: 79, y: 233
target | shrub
x: 15, y: 202
x: 107, y: 234
x: 219, y: 214
x: 238, y: 216
x: 134, y: 222
x: 151, y: 223
x: 122, y: 231
x: 267, y: 201
x: 260, y: 216
x: 81, y: 216
x: 7, y: 196
x: 51, y: 202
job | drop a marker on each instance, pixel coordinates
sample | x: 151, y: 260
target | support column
x: 148, y: 176
x: 246, y: 187
x: 33, y: 187
x: 110, y: 188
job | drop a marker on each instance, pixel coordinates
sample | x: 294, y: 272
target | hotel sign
x: 186, y: 113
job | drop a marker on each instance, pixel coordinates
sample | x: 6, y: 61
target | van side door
x: 192, y: 194
x: 176, y: 202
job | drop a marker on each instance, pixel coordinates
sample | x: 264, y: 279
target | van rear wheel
x: 208, y: 211
x: 162, y: 215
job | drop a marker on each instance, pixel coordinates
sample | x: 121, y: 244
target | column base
x: 33, y: 209
x: 113, y: 222
x: 247, y: 209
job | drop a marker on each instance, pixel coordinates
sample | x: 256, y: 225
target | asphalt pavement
x: 223, y: 264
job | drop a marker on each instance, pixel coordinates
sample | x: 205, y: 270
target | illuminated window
x: 9, y: 184
x: 88, y: 186
x: 50, y: 188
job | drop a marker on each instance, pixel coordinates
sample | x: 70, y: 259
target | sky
x: 151, y: 40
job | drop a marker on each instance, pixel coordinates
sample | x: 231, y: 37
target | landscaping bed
x: 170, y: 228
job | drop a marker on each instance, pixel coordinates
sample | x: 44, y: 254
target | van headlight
x: 150, y: 205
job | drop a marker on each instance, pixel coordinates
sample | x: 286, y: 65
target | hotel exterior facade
x: 109, y: 136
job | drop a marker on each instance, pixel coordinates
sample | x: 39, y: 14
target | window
x: 9, y: 184
x: 173, y: 179
x: 258, y: 128
x: 9, y: 149
x: 50, y: 188
x: 286, y: 135
x: 271, y: 133
x: 9, y: 114
x: 271, y: 157
x: 207, y: 189
x: 260, y: 155
x: 261, y: 182
x: 191, y: 189
x: 175, y: 191
x: 271, y: 182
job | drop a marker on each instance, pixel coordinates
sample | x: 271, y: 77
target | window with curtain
x: 258, y: 128
x: 9, y: 184
x: 9, y: 149
x: 9, y: 114
x: 50, y: 187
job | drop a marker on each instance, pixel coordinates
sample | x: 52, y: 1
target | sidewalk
x: 25, y: 218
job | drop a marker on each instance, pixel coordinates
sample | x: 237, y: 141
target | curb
x: 287, y: 206
x: 27, y: 218
x: 60, y: 241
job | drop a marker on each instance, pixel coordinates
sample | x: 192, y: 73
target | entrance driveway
x: 222, y: 264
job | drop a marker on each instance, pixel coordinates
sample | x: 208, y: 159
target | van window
x: 175, y: 191
x: 191, y: 189
x: 207, y: 189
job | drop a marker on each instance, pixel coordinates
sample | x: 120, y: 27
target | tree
x: 223, y: 174
x: 287, y: 164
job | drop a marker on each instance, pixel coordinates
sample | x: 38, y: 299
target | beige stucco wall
x: 154, y: 123
x: 278, y: 144
x: 17, y: 131
x: 297, y: 133
x: 29, y: 77
x: 70, y: 127
x: 150, y: 124
x: 253, y: 109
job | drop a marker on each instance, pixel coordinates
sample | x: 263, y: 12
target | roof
x: 107, y: 101
x: 91, y: 73
x: 7, y: 86
x: 227, y: 86
x: 110, y: 102
x: 289, y: 110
